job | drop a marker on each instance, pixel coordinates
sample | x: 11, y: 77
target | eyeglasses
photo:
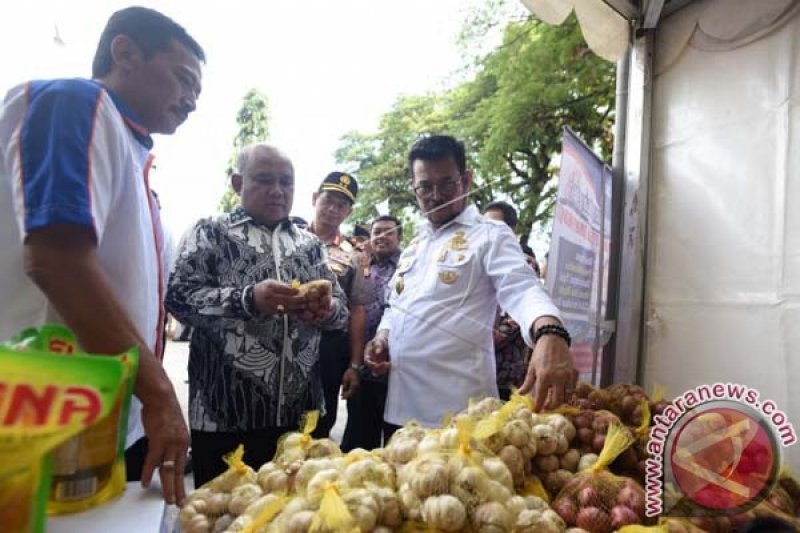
x: 446, y: 188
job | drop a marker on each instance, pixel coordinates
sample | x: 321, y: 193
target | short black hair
x: 509, y: 213
x: 152, y: 32
x: 436, y: 148
x: 390, y: 218
x: 360, y: 231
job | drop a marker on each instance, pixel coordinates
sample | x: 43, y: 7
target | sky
x: 327, y: 67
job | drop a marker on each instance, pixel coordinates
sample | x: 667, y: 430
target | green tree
x: 509, y: 108
x: 540, y: 79
x: 379, y: 160
x: 253, y: 122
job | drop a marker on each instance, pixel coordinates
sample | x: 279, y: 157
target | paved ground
x: 176, y: 358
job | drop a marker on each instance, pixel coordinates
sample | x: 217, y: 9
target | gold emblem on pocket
x: 399, y: 285
x: 448, y: 277
x: 458, y: 241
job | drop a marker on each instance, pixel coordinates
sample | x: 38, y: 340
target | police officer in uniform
x: 341, y: 352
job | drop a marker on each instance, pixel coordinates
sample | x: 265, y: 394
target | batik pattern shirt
x: 380, y: 272
x: 248, y: 372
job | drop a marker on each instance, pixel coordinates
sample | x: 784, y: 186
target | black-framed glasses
x: 445, y: 188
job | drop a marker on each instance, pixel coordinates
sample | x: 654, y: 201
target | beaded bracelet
x: 552, y: 329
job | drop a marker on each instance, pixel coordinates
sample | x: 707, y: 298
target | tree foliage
x: 253, y: 121
x: 510, y: 112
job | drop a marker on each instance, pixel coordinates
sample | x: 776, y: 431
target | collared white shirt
x: 443, y: 301
x: 72, y: 152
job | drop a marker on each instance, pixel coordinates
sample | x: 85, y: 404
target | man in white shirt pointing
x: 436, y: 340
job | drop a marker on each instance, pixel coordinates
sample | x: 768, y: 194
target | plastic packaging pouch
x: 599, y: 501
x: 44, y: 400
x: 89, y: 468
x: 298, y: 446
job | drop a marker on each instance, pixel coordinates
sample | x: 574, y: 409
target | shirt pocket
x: 453, y: 275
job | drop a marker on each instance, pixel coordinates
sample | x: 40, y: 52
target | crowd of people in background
x: 398, y: 334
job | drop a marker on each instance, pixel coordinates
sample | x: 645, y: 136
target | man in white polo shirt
x: 435, y: 340
x: 79, y: 228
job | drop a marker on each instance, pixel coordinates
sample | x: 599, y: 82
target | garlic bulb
x: 491, y: 517
x: 523, y: 414
x: 187, y: 514
x: 218, y: 504
x: 485, y: 407
x: 444, y: 512
x: 401, y: 450
x: 222, y: 523
x: 553, y: 517
x: 530, y: 521
x: 308, y: 470
x: 297, y: 504
x: 363, y: 507
x: 569, y: 461
x: 299, y: 522
x: 535, y: 503
x: 498, y: 492
x: 429, y: 444
x: 515, y: 505
x: 198, y: 524
x: 274, y: 481
x: 428, y: 477
x: 410, y: 503
x: 323, y: 448
x: 470, y: 486
x: 498, y: 471
x: 546, y: 463
x: 546, y: 439
x: 369, y: 470
x: 562, y: 425
x: 494, y: 442
x: 242, y: 496
x: 410, y: 431
x: 562, y: 444
x: 316, y: 487
x: 240, y: 524
x: 515, y: 462
x: 448, y: 439
x: 290, y: 455
x: 516, y: 433
x: 391, y: 513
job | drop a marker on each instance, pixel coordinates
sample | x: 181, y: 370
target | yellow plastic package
x: 44, y: 400
x: 89, y: 468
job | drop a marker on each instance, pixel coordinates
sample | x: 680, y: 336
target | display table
x: 138, y: 509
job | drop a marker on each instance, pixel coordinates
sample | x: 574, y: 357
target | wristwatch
x: 356, y: 367
x: 249, y: 301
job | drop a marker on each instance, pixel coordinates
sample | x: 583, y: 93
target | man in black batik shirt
x: 254, y: 353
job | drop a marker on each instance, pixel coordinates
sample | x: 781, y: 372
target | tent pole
x: 617, y: 187
x: 628, y: 341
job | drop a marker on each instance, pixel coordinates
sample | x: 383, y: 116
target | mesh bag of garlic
x: 453, y: 483
x: 355, y: 492
x: 297, y: 446
x: 215, y: 505
x: 597, y: 500
x: 536, y: 448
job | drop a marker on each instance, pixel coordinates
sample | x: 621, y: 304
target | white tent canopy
x: 709, y: 278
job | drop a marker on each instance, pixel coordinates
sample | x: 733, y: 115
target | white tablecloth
x: 137, y: 510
